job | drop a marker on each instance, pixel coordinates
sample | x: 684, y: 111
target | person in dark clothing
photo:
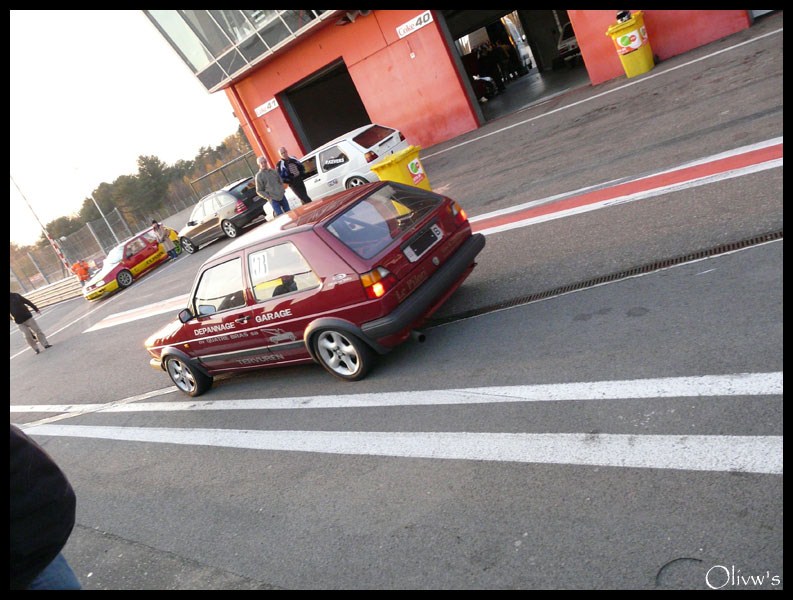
x: 26, y: 323
x: 43, y: 506
x: 287, y: 285
x: 292, y: 172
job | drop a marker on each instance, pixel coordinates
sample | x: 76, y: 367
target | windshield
x: 115, y: 256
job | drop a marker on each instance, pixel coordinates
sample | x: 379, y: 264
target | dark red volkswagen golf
x: 337, y: 281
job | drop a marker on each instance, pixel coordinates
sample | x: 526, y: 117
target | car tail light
x: 240, y: 208
x: 370, y: 156
x: 401, y: 137
x: 458, y: 213
x: 377, y: 282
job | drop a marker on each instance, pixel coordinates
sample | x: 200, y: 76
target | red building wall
x: 671, y: 32
x: 411, y: 83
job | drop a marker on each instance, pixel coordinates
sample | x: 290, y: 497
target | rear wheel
x: 356, y: 181
x: 187, y: 245
x: 124, y: 279
x: 342, y: 354
x: 191, y: 381
x: 230, y: 229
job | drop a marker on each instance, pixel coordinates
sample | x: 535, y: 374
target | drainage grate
x: 648, y: 268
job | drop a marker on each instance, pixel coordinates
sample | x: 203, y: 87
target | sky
x: 91, y: 90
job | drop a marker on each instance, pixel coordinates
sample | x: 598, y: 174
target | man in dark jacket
x: 292, y: 172
x: 42, y: 518
x: 26, y: 323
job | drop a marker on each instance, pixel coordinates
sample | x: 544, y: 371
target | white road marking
x: 662, y: 190
x: 739, y: 384
x: 750, y: 454
x: 746, y: 454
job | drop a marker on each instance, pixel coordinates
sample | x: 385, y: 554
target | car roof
x: 347, y: 136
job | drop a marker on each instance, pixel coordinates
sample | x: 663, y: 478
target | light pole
x: 105, y: 219
x: 53, y: 243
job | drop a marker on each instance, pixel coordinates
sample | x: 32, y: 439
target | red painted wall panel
x: 423, y: 95
x: 411, y: 83
x: 671, y: 32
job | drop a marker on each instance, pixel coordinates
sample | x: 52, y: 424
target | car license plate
x: 422, y: 242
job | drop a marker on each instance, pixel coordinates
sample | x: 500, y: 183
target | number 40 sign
x: 415, y: 23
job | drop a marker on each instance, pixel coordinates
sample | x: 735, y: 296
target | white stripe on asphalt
x: 738, y: 384
x: 746, y: 454
x: 667, y: 189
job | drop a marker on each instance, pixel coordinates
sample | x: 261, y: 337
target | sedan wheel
x: 342, y: 354
x: 124, y: 279
x: 188, y: 246
x: 190, y: 381
x: 356, y: 181
x: 230, y: 229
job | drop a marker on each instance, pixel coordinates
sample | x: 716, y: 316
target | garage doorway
x: 533, y: 36
x: 312, y: 106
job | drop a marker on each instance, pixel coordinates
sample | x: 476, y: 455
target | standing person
x: 80, y: 268
x: 26, y: 323
x: 270, y: 187
x: 43, y: 506
x: 164, y: 237
x: 292, y: 172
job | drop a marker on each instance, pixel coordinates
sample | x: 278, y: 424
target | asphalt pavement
x: 714, y: 99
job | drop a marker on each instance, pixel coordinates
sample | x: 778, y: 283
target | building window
x: 182, y: 38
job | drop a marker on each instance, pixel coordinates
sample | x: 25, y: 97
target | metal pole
x: 53, y: 243
x: 118, y: 241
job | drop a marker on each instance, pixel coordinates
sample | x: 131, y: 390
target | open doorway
x: 534, y: 71
x: 312, y: 105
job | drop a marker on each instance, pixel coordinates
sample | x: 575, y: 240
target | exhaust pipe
x: 418, y: 336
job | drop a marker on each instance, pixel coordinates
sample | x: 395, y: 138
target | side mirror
x: 185, y: 315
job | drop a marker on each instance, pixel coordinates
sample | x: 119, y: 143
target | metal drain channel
x: 653, y: 266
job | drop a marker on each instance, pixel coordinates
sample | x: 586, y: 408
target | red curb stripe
x: 661, y: 180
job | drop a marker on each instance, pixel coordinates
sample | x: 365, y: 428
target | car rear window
x: 374, y: 135
x: 372, y: 224
x: 244, y: 190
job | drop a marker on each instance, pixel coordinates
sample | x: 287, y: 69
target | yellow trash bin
x: 403, y: 167
x: 630, y: 40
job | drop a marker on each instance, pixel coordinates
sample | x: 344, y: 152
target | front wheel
x: 191, y: 381
x: 187, y: 245
x: 230, y: 229
x: 124, y: 279
x: 356, y: 181
x: 343, y: 355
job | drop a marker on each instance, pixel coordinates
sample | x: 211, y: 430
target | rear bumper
x: 426, y: 297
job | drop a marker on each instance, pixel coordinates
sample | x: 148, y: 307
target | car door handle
x: 241, y: 320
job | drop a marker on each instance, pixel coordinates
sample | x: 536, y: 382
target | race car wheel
x: 191, y: 381
x: 342, y: 354
x: 356, y: 181
x: 124, y: 279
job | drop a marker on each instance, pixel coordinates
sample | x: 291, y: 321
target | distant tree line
x: 151, y: 188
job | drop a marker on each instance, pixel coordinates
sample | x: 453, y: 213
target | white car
x: 346, y: 161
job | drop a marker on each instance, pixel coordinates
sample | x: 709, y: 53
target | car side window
x: 209, y: 207
x: 310, y: 165
x: 332, y: 158
x: 134, y: 247
x: 220, y: 288
x: 222, y: 200
x: 198, y: 213
x: 280, y: 270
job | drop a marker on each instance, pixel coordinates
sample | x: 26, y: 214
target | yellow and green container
x: 633, y: 47
x: 403, y: 167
